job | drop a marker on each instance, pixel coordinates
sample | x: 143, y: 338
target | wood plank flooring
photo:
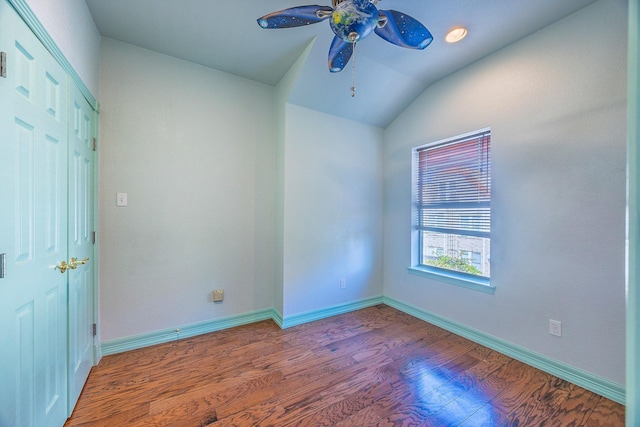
x: 373, y: 367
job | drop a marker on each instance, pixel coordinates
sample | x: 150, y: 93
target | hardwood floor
x: 373, y: 367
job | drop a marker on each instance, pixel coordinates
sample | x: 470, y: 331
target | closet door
x: 33, y: 230
x: 81, y: 227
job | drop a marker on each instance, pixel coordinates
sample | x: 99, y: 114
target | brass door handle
x: 72, y: 265
x: 62, y: 266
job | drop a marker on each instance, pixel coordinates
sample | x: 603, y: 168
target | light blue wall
x: 282, y: 92
x: 556, y: 104
x: 332, y: 211
x: 194, y: 149
x: 223, y: 177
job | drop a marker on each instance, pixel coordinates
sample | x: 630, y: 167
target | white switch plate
x: 121, y: 199
x: 218, y: 295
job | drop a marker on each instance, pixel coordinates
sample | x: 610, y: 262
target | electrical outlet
x: 555, y: 327
x: 343, y: 283
x: 218, y: 295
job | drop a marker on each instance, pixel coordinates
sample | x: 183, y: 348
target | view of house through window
x: 452, y: 192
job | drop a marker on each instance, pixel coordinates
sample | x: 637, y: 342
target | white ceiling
x: 224, y: 35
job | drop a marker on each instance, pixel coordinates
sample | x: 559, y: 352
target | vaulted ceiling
x: 224, y: 35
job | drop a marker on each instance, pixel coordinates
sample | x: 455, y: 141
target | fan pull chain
x: 353, y: 72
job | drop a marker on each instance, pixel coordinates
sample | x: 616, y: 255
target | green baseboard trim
x: 299, y: 319
x: 121, y: 345
x: 581, y: 378
x: 97, y: 353
x: 277, y: 317
x: 159, y: 337
x: 576, y: 376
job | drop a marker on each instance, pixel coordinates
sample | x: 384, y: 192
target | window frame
x: 466, y: 280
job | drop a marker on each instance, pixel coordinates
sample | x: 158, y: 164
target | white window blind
x: 452, y: 194
x: 454, y: 186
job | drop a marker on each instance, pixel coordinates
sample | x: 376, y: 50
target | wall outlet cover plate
x: 218, y: 295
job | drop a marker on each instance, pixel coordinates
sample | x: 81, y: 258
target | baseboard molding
x: 277, y: 317
x: 576, y: 376
x: 299, y: 319
x: 97, y: 353
x: 167, y: 335
x: 158, y: 337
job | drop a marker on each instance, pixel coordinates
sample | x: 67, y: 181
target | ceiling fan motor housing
x: 354, y: 20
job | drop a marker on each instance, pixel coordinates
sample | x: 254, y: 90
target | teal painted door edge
x: 38, y: 29
x: 576, y: 376
x: 633, y: 219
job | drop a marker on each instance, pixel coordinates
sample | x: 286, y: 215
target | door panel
x: 33, y: 230
x: 81, y: 184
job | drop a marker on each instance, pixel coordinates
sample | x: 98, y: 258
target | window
x: 452, y: 203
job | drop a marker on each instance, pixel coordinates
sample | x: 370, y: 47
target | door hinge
x: 95, y: 330
x: 94, y: 144
x: 3, y: 265
x: 3, y: 64
x: 93, y: 237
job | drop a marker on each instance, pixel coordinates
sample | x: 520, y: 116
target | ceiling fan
x: 352, y: 21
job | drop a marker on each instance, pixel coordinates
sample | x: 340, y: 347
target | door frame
x: 633, y: 219
x: 97, y: 348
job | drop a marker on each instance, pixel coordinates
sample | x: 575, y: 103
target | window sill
x: 476, y: 283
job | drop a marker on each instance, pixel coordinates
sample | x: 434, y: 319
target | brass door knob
x: 72, y: 265
x: 63, y: 266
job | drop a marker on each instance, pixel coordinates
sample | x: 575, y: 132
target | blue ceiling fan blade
x: 295, y: 17
x: 403, y: 30
x: 339, y: 54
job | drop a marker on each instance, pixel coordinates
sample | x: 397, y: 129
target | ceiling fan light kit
x: 456, y: 34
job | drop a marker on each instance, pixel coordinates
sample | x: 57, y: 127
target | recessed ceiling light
x: 456, y: 34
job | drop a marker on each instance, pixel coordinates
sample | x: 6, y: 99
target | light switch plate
x: 121, y: 199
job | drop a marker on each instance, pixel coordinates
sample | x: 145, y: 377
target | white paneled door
x: 45, y: 314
